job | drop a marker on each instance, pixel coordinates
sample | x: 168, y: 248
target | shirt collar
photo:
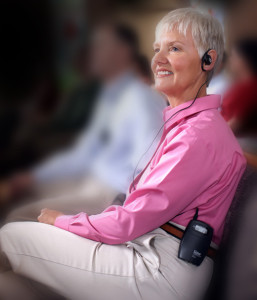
x: 202, y: 103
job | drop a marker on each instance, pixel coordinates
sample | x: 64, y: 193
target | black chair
x: 227, y: 265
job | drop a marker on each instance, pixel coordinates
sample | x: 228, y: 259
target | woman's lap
x: 79, y: 268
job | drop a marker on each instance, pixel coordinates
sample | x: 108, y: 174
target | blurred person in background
x: 143, y: 69
x: 122, y: 253
x: 100, y: 166
x: 240, y: 102
x: 76, y: 111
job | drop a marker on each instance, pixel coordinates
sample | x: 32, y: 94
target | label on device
x: 201, y: 229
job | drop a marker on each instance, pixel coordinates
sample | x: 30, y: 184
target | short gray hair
x: 207, y: 32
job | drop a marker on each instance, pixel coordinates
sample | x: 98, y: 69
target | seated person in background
x: 127, y: 118
x: 240, y: 103
x: 122, y: 253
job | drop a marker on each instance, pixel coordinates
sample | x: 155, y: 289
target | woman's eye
x: 156, y: 50
x: 175, y: 49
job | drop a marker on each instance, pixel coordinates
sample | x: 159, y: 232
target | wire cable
x: 133, y: 183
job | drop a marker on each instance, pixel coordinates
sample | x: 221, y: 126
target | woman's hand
x: 49, y: 216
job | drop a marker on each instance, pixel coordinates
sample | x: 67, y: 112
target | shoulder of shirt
x: 205, y: 130
x: 212, y: 140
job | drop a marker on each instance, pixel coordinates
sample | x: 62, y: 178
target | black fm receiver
x: 195, y: 241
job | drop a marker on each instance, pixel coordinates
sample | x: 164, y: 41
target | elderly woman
x: 122, y: 253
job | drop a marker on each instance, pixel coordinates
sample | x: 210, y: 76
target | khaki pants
x: 87, y: 194
x: 73, y: 267
x: 78, y: 268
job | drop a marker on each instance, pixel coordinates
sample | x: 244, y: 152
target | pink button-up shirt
x: 198, y: 163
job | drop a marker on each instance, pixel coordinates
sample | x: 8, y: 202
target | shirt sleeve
x: 172, y: 184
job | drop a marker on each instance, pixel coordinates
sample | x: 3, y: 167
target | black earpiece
x: 206, y: 60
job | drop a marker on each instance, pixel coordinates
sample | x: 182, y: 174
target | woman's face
x: 176, y: 63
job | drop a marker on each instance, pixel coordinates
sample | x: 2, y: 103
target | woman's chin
x: 163, y: 88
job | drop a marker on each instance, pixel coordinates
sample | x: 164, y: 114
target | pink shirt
x: 198, y: 163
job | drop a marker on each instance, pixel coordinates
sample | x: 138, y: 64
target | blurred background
x: 44, y: 53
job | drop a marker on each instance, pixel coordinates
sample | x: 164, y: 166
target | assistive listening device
x: 195, y: 241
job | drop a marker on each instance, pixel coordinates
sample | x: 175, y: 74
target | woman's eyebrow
x: 156, y: 44
x: 173, y: 42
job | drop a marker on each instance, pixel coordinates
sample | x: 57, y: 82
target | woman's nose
x: 160, y: 57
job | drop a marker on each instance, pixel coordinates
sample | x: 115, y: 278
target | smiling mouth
x: 160, y: 74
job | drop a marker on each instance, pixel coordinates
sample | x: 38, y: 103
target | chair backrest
x: 238, y: 205
x: 231, y: 231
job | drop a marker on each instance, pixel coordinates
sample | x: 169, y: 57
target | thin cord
x: 196, y: 214
x: 161, y: 129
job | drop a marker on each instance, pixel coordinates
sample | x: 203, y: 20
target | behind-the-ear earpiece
x: 206, y: 60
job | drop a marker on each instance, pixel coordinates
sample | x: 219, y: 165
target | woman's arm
x: 183, y: 172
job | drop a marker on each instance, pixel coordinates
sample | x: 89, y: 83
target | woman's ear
x: 213, y: 54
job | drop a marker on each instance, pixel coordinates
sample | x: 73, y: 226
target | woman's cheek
x: 179, y: 65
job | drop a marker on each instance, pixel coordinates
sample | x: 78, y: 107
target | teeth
x: 164, y: 73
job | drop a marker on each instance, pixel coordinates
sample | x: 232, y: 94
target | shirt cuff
x: 63, y: 222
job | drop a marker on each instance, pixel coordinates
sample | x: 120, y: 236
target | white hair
x: 207, y: 32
